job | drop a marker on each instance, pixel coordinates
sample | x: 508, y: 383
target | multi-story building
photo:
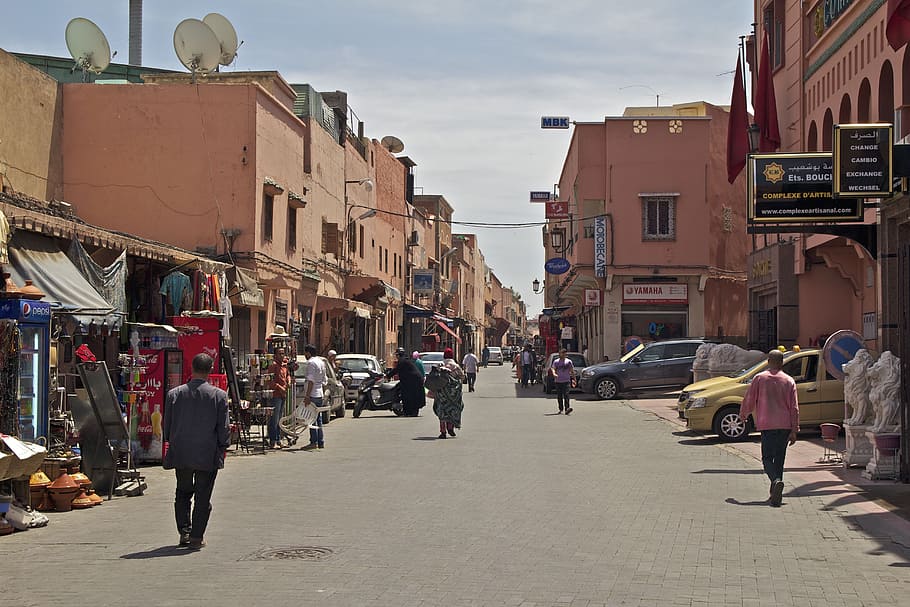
x: 656, y: 247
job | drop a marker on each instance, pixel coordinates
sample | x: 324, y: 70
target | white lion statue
x: 856, y: 387
x: 884, y: 395
x: 724, y: 359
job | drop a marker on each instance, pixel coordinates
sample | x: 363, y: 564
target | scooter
x: 375, y: 394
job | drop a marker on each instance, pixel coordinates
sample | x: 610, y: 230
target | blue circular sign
x: 557, y: 265
x: 840, y: 349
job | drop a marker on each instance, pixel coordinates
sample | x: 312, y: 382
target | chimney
x: 135, y: 32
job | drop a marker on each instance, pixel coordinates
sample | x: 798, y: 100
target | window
x: 395, y: 265
x: 773, y: 22
x: 292, y: 228
x: 386, y: 260
x: 331, y: 238
x: 352, y: 237
x: 361, y: 242
x: 380, y: 258
x: 268, y: 208
x: 658, y: 218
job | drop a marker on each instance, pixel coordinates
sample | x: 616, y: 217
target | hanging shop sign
x: 600, y: 246
x: 655, y: 293
x: 593, y: 298
x: 423, y: 281
x: 281, y: 311
x: 555, y: 122
x: 557, y: 265
x: 862, y: 160
x: 567, y: 333
x: 541, y: 196
x: 796, y: 188
x: 557, y: 209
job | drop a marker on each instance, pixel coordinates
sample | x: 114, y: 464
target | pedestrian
x: 196, y: 431
x: 330, y: 356
x: 470, y: 368
x: 447, y: 403
x: 527, y: 365
x: 415, y: 356
x: 315, y: 378
x: 563, y: 373
x: 281, y: 379
x: 772, y: 403
x: 410, y: 384
x: 485, y: 357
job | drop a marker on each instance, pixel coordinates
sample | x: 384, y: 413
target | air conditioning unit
x: 414, y: 240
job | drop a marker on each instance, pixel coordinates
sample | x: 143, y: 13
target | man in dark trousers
x: 410, y: 382
x: 197, y: 433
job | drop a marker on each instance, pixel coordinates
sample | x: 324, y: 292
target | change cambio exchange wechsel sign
x: 862, y: 160
x: 796, y: 188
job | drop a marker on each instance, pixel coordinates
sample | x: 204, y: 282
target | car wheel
x: 729, y: 426
x: 607, y: 388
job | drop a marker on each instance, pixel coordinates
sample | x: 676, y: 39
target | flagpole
x: 742, y: 56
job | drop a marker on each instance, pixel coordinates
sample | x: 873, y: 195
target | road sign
x: 840, y: 349
x: 555, y: 122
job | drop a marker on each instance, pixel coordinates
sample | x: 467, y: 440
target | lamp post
x: 535, y: 286
x: 367, y: 184
x: 558, y: 240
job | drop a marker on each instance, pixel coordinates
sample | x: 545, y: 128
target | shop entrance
x: 903, y: 346
x: 654, y: 324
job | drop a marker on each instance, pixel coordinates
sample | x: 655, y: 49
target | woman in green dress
x: 447, y: 404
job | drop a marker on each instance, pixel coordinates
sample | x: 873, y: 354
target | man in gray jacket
x: 196, y: 429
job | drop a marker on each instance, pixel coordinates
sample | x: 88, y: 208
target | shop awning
x: 361, y: 310
x: 370, y: 288
x: 245, y: 286
x: 445, y: 328
x: 417, y: 311
x: 39, y: 259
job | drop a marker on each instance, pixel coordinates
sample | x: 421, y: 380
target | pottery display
x: 37, y: 486
x: 10, y: 289
x: 63, y: 491
x: 95, y: 498
x: 81, y: 501
x: 81, y: 479
x: 30, y: 291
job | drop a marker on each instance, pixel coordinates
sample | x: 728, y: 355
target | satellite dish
x: 88, y: 45
x: 196, y: 46
x: 392, y: 144
x: 226, y: 34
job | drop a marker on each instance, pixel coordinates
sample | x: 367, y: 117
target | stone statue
x: 884, y: 395
x: 727, y: 359
x: 856, y: 387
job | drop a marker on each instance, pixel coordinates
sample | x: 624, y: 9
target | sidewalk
x: 881, y: 508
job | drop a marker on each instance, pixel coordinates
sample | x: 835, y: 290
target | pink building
x: 650, y: 188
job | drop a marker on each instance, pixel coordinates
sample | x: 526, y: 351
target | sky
x: 463, y: 83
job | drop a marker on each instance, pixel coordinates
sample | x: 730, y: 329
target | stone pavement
x: 609, y: 506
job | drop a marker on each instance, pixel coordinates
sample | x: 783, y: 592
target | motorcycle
x: 376, y: 394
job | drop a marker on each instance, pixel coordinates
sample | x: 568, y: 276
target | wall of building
x: 31, y: 121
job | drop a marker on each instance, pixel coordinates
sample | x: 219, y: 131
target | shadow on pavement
x: 736, y: 502
x: 426, y: 438
x: 729, y: 471
x: 159, y: 552
x: 532, y: 391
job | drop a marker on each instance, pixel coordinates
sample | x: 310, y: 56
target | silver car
x: 430, y: 360
x: 495, y: 355
x: 357, y: 367
x: 332, y: 391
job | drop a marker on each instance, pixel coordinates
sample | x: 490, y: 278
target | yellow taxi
x: 712, y: 405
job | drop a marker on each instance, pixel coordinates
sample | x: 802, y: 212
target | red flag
x: 765, y: 103
x: 737, y: 127
x: 897, y: 29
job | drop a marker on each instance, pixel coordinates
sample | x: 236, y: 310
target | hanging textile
x: 4, y: 239
x: 225, y: 306
x: 177, y: 288
x: 110, y: 281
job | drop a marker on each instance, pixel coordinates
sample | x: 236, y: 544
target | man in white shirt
x: 312, y: 393
x: 470, y: 368
x: 527, y: 365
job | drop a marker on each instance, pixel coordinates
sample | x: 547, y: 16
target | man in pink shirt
x: 771, y: 400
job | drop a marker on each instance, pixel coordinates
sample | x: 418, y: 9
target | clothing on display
x: 4, y: 238
x: 176, y: 286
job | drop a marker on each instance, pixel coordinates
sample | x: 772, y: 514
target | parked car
x: 706, y: 384
x: 357, y: 367
x: 430, y: 360
x: 659, y: 364
x: 333, y: 390
x: 578, y: 361
x: 496, y: 355
x: 715, y: 409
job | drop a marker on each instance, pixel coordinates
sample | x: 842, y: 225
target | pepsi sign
x: 557, y: 265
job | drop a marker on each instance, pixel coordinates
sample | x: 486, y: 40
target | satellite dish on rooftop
x: 226, y: 34
x: 393, y: 144
x: 197, y: 47
x: 88, y: 46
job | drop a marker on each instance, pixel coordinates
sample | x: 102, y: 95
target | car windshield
x: 432, y: 356
x: 750, y: 370
x: 495, y: 350
x: 356, y: 365
x: 626, y: 357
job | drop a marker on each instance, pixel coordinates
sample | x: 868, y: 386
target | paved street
x: 610, y: 506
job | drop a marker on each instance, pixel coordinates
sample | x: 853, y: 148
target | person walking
x: 470, y: 368
x: 527, y: 365
x: 485, y: 357
x: 563, y: 373
x: 315, y: 377
x: 447, y: 402
x: 196, y: 430
x: 281, y: 379
x: 415, y: 356
x: 771, y: 401
x: 410, y: 382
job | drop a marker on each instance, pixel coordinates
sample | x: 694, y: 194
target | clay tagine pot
x: 96, y: 499
x: 39, y: 479
x: 30, y: 291
x: 82, y: 501
x: 82, y: 480
x: 63, y: 491
x: 10, y: 289
x: 37, y: 486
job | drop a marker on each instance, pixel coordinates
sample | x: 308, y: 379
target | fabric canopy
x: 244, y: 285
x: 39, y: 259
x: 445, y: 328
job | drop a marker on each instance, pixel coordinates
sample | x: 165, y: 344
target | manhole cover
x: 297, y: 553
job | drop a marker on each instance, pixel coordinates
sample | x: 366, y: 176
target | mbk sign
x: 600, y: 246
x: 555, y: 122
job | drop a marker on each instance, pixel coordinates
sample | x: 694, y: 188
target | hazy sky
x: 462, y: 82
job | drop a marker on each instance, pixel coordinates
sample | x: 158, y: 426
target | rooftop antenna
x: 643, y: 86
x: 88, y: 46
x: 197, y: 47
x: 393, y: 144
x: 226, y: 34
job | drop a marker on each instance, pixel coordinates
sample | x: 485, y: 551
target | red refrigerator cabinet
x: 198, y: 335
x: 162, y: 371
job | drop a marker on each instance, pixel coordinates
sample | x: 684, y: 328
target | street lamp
x: 558, y: 239
x: 535, y: 286
x: 367, y: 184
